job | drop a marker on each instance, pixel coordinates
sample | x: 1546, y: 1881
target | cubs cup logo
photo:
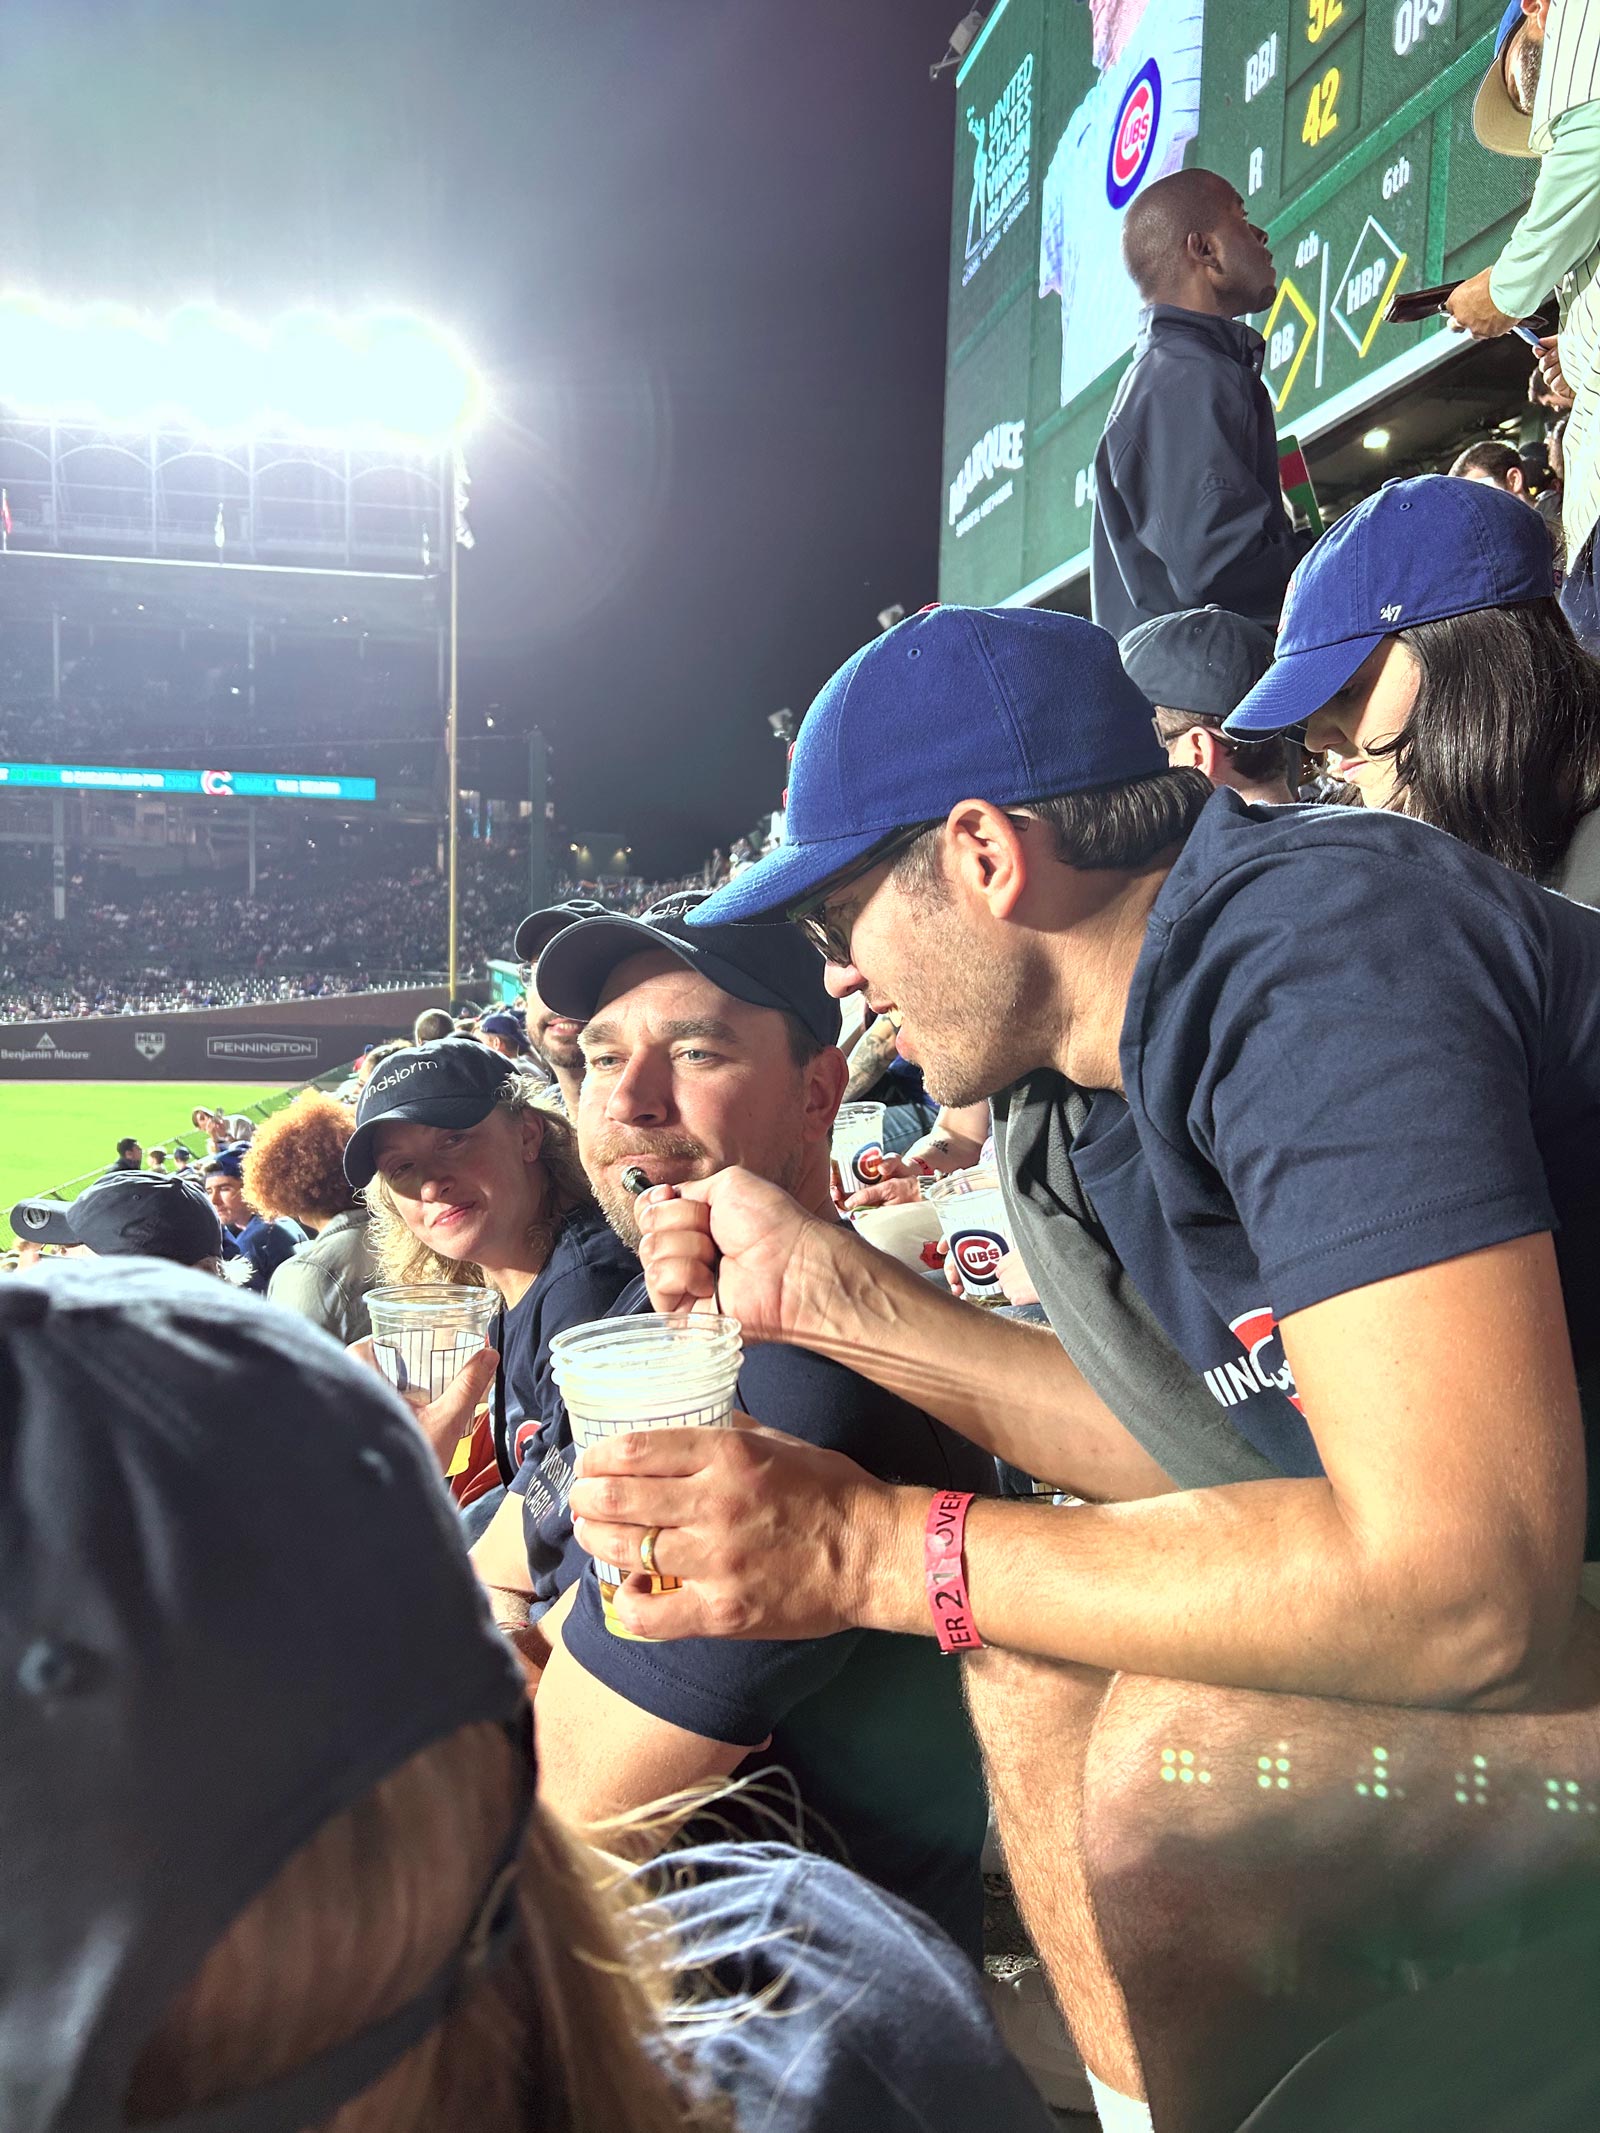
x: 218, y: 783
x: 978, y: 1253
x: 1133, y: 138
x: 867, y: 1163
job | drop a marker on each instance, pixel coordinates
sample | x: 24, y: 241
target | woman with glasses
x: 1424, y: 656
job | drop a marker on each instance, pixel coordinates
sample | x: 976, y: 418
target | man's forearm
x: 1009, y: 1387
x: 1257, y: 1586
x: 871, y: 1057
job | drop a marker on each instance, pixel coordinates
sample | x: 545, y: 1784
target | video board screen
x: 1346, y: 126
x: 214, y: 784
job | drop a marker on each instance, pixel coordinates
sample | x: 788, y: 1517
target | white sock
x: 1119, y: 2113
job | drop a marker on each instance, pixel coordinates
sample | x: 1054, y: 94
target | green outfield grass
x: 51, y: 1131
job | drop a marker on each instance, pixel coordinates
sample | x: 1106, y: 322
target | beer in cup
x: 425, y: 1332
x: 618, y: 1375
x: 972, y: 1216
x: 858, y: 1145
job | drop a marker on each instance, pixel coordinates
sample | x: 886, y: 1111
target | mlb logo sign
x: 150, y: 1043
x: 1133, y: 138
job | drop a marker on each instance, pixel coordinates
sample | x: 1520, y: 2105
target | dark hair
x: 1502, y: 748
x: 124, y: 1145
x: 803, y: 1046
x: 1252, y: 759
x: 1492, y: 457
x: 1103, y: 826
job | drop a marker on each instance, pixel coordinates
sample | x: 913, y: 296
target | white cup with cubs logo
x: 858, y: 1145
x: 972, y: 1216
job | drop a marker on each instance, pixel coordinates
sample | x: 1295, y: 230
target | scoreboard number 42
x: 1322, y: 102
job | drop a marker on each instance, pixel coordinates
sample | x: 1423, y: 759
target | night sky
x: 700, y: 247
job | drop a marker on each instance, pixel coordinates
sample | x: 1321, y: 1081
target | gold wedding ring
x: 647, y: 1551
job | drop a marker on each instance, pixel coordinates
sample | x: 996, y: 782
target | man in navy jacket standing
x: 1188, y: 507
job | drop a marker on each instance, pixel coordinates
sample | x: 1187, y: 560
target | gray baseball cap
x: 202, y: 1496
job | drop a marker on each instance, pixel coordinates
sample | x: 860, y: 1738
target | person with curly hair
x: 294, y: 1169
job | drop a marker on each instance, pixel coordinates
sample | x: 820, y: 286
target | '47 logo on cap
x: 1391, y: 613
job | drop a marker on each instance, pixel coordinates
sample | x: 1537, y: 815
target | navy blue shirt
x: 868, y: 1733
x: 821, y: 2005
x: 587, y: 1271
x: 1352, y: 1048
x: 266, y: 1245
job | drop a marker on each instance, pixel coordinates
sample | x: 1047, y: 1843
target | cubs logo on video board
x: 1133, y: 138
x: 218, y: 783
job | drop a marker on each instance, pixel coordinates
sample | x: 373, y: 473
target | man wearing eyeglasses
x: 1296, y: 1118
x: 1196, y: 667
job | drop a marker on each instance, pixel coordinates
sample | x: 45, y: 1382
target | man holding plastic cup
x: 705, y: 1047
x: 1333, y: 1222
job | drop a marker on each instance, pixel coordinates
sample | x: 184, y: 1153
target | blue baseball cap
x: 1416, y: 551
x: 1006, y: 704
x: 1495, y: 118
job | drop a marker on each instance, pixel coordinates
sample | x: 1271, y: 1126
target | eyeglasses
x: 831, y: 941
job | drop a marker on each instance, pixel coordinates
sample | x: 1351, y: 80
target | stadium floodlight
x: 383, y: 378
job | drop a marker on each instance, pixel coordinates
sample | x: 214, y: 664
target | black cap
x: 1204, y: 659
x: 149, y: 1213
x: 767, y: 966
x: 195, y: 1678
x: 455, y: 1082
x: 539, y: 928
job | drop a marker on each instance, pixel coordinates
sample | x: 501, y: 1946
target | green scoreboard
x: 1346, y: 126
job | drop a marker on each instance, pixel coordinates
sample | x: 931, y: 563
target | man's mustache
x: 618, y: 1147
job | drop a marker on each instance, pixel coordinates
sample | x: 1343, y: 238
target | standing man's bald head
x: 1187, y: 240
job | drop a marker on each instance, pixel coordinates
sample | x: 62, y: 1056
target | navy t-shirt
x: 868, y: 1732
x: 820, y: 2005
x: 587, y: 1271
x: 266, y: 1245
x: 1353, y: 1048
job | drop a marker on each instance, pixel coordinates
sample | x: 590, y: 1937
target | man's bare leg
x: 1033, y: 1719
x: 1257, y: 1869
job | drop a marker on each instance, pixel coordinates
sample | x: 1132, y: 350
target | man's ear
x: 826, y: 1078
x: 987, y: 853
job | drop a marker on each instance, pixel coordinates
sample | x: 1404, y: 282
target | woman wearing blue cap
x: 1423, y: 650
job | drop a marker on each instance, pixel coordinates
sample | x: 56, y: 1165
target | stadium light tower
x: 383, y: 380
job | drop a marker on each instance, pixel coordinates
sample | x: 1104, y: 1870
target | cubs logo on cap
x: 1133, y: 138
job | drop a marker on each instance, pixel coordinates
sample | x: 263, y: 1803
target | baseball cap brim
x: 1496, y: 121
x: 576, y: 965
x: 786, y: 877
x: 454, y: 1113
x: 43, y: 1222
x: 1297, y: 685
x: 540, y: 928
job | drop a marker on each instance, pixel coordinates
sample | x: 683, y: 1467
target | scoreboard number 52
x: 1322, y: 103
x: 1321, y: 15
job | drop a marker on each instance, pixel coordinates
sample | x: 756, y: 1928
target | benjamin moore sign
x: 215, y: 784
x: 1344, y: 124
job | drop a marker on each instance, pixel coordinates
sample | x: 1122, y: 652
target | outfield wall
x: 298, y: 1039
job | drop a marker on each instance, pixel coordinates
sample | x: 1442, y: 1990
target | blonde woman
x: 345, y: 1911
x: 469, y: 1179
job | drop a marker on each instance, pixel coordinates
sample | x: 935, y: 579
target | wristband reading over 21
x: 944, y: 1572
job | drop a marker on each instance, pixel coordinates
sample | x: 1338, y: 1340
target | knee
x: 1021, y: 1707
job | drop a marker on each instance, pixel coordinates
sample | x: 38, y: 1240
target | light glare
x: 384, y: 377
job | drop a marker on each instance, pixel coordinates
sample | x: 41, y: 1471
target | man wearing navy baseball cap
x: 553, y: 1038
x: 129, y: 1212
x: 253, y: 1247
x: 1327, y: 1085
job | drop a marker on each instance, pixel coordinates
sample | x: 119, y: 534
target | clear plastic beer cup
x: 972, y: 1216
x: 858, y: 1145
x: 425, y: 1332
x: 620, y: 1375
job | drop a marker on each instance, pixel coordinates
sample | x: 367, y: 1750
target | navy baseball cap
x: 1006, y: 704
x: 541, y: 927
x: 1203, y: 659
x: 766, y: 966
x: 226, y: 1163
x: 128, y: 1211
x: 1495, y: 118
x: 1417, y: 551
x: 504, y: 1024
x: 195, y: 1677
x: 454, y: 1082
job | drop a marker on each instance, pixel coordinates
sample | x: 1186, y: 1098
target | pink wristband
x: 944, y: 1573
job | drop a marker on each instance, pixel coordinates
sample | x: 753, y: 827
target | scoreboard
x: 1345, y: 125
x: 214, y: 784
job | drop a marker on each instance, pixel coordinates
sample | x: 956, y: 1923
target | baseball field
x: 52, y: 1131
